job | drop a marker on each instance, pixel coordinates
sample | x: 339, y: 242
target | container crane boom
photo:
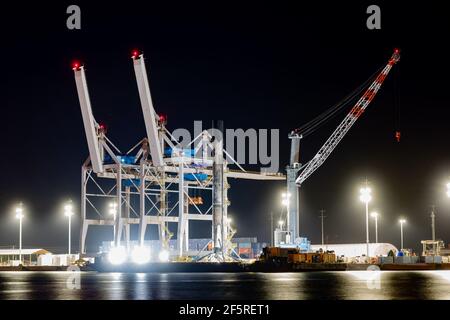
x: 150, y: 115
x: 348, y: 121
x: 90, y: 125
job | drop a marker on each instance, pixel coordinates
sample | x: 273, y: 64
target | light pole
x: 402, y: 221
x: 321, y: 218
x: 68, y: 212
x: 365, y: 196
x: 19, y: 215
x: 375, y: 216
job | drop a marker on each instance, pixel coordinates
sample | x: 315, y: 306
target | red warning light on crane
x: 162, y: 118
x: 102, y: 127
x: 76, y: 65
x: 398, y: 135
x: 135, y: 53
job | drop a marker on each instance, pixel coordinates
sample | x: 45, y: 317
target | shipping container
x: 244, y: 251
x: 297, y: 257
x: 385, y: 260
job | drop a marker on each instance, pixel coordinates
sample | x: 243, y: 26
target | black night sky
x: 265, y: 65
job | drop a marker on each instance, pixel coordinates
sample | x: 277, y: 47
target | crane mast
x: 348, y: 121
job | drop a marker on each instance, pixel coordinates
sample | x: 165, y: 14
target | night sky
x: 259, y: 66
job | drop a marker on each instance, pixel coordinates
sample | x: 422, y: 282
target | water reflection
x: 286, y: 286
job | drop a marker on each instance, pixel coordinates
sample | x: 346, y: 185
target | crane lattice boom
x: 348, y: 121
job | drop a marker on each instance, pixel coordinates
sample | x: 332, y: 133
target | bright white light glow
x: 229, y: 220
x: 402, y: 221
x: 112, y: 209
x: 164, y: 256
x: 285, y: 200
x: 19, y: 213
x: 140, y: 255
x: 117, y: 255
x: 448, y: 189
x: 68, y: 210
x: 68, y: 213
x: 365, y: 194
x: 374, y: 214
x: 280, y: 222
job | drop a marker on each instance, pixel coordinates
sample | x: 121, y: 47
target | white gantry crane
x: 297, y: 174
x: 156, y: 182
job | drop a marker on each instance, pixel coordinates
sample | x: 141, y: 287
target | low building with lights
x: 30, y: 257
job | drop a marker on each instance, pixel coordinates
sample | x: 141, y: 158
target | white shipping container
x: 60, y: 260
x: 14, y: 263
x: 433, y: 259
x: 45, y: 260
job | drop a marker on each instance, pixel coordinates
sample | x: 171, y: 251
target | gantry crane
x: 297, y: 174
x: 156, y: 172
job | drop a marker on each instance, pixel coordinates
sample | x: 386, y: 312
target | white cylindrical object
x: 367, y: 228
x: 70, y: 224
x: 20, y: 239
x: 376, y: 229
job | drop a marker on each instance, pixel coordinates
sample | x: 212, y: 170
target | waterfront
x: 344, y: 285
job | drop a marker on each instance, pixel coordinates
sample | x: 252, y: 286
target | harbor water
x: 341, y: 285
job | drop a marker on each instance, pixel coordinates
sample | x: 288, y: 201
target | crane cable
x: 329, y: 114
x: 397, y: 133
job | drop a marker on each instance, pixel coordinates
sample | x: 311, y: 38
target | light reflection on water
x: 287, y: 286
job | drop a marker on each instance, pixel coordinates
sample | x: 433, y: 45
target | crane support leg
x: 142, y: 222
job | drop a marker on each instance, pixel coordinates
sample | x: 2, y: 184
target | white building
x: 357, y: 249
x: 35, y: 257
x: 10, y: 257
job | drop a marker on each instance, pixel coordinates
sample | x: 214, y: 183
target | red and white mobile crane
x: 297, y: 174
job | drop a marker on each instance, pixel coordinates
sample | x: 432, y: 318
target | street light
x: 19, y: 215
x: 365, y: 196
x: 402, y: 221
x: 375, y: 215
x: 280, y: 224
x: 448, y: 189
x: 68, y: 212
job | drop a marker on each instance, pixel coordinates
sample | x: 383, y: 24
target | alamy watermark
x: 250, y: 146
x: 374, y: 20
x: 73, y: 22
x: 73, y: 281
